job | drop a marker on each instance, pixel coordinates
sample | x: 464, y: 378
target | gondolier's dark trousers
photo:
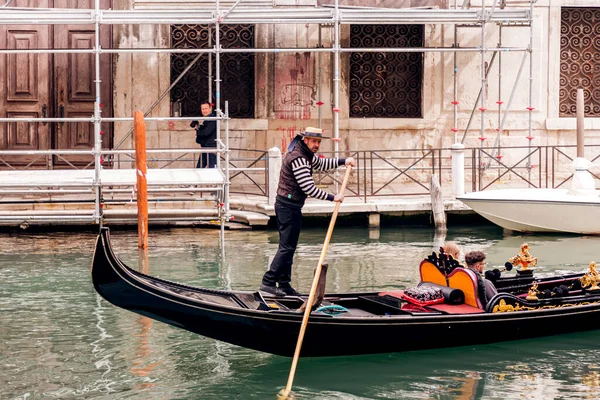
x: 289, y: 222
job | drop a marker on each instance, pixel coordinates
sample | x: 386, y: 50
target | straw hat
x: 311, y: 132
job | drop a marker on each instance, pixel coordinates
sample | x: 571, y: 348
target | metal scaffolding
x: 335, y: 16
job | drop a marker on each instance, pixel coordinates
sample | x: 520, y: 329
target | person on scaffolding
x: 295, y: 185
x: 206, y: 136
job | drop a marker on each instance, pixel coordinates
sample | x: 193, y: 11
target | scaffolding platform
x: 112, y: 187
x: 70, y: 196
x: 23, y: 180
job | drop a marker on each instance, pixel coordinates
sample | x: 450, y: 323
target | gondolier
x: 295, y: 185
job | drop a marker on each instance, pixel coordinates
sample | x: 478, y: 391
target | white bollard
x: 458, y: 169
x: 583, y: 181
x: 274, y: 170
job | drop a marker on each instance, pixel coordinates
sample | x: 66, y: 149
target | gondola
x: 361, y: 323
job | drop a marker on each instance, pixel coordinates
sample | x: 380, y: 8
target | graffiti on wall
x: 294, y: 86
x: 288, y: 133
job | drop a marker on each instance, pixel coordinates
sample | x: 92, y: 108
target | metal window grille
x: 580, y: 60
x: 237, y: 69
x: 386, y: 84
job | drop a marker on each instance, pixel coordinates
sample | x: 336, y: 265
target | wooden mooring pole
x: 139, y: 126
x: 437, y: 205
x: 580, y: 124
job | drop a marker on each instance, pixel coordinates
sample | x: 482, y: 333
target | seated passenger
x: 452, y: 249
x: 475, y: 261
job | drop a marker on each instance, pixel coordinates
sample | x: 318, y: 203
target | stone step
x: 125, y: 215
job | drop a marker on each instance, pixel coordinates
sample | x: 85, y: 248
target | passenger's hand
x: 350, y: 161
x: 194, y: 124
x: 338, y: 198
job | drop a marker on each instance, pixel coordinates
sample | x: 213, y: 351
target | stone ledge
x: 350, y: 206
x: 570, y: 123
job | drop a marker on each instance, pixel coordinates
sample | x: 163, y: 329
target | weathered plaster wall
x: 289, y: 87
x: 140, y: 79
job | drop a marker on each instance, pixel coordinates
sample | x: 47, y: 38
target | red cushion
x: 423, y: 295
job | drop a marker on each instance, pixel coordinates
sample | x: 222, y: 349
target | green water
x: 59, y: 340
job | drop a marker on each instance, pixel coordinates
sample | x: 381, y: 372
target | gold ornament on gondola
x: 524, y: 259
x: 533, y: 292
x: 503, y: 307
x: 591, y: 278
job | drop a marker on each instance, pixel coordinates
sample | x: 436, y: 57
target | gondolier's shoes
x: 289, y: 291
x: 274, y: 290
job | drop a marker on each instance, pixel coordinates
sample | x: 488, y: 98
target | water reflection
x: 58, y: 339
x: 553, y: 252
x: 537, y: 368
x: 470, y: 387
x: 142, y: 363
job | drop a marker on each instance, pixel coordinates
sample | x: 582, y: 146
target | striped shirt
x: 302, y: 173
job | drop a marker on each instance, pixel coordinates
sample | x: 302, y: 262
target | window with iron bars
x: 385, y: 84
x: 237, y: 69
x: 579, y: 60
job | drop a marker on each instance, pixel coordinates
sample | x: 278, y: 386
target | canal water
x: 60, y: 340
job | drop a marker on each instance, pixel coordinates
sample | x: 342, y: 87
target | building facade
x: 492, y: 91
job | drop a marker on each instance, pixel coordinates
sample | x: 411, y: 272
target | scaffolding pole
x: 499, y: 101
x: 270, y: 50
x: 530, y: 106
x: 335, y: 17
x: 97, y: 122
x: 300, y: 15
x: 484, y: 73
x: 496, y: 148
x: 336, y: 80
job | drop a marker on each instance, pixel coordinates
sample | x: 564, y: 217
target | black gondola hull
x: 276, y: 332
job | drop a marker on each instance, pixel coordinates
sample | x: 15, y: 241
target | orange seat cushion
x: 465, y: 280
x: 430, y: 273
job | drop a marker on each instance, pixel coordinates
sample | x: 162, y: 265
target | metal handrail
x: 378, y: 172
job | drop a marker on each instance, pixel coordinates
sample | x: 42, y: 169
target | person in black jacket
x: 475, y: 261
x: 295, y: 185
x: 206, y: 137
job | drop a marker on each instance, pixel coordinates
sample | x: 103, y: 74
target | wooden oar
x: 284, y: 393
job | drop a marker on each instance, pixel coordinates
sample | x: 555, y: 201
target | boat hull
x: 276, y: 332
x: 537, y: 210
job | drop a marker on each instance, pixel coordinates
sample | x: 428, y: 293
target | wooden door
x: 24, y: 90
x: 75, y: 87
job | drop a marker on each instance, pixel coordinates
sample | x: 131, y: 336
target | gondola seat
x: 430, y: 273
x: 466, y: 280
x: 460, y: 278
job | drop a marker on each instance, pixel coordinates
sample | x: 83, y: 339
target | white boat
x: 574, y: 210
x: 538, y: 210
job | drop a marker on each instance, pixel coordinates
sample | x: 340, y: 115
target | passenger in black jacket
x: 206, y: 137
x: 475, y: 261
x: 295, y: 185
